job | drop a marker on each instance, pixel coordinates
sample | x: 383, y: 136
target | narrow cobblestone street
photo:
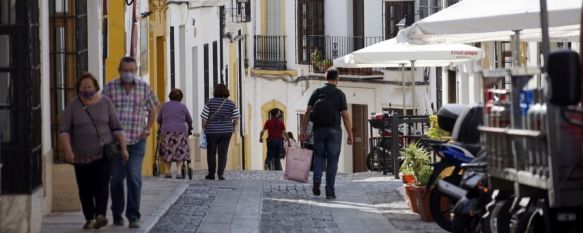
x: 260, y: 201
x: 265, y: 202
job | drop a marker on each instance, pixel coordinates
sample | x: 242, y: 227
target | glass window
x: 61, y: 6
x: 5, y: 125
x: 7, y: 11
x: 423, y: 9
x: 5, y: 88
x: 60, y: 70
x: 5, y: 47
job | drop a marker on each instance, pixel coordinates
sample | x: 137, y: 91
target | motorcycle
x: 462, y: 121
x: 472, y: 203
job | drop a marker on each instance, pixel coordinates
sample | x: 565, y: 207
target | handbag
x: 297, y: 164
x: 203, y: 144
x: 108, y: 150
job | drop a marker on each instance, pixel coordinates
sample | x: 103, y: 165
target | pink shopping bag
x: 297, y: 164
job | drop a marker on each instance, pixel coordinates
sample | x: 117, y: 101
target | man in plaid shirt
x: 135, y: 103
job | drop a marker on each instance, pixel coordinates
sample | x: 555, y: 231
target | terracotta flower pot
x: 410, y: 197
x: 408, y: 178
x: 422, y: 198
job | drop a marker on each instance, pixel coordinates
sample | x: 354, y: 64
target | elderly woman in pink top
x: 176, y: 124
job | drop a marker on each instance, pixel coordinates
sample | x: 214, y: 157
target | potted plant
x: 316, y: 57
x: 422, y: 193
x: 326, y: 64
x: 408, y: 178
x: 434, y: 131
x: 414, y: 159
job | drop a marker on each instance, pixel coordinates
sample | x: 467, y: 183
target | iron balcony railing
x: 270, y: 52
x: 331, y: 47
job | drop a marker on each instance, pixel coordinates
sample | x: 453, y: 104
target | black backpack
x: 324, y: 112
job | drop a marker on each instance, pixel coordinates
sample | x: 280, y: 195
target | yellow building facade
x: 154, y: 60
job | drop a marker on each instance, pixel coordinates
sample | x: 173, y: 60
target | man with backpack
x: 276, y: 134
x: 325, y: 108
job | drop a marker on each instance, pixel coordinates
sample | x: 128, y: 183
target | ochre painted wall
x: 157, y: 73
x: 116, y: 44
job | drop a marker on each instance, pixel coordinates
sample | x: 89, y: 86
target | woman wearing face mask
x: 88, y: 122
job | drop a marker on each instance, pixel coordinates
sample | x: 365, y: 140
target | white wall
x: 95, y: 39
x: 45, y: 77
x: 338, y: 18
x: 290, y: 32
x: 262, y: 90
x: 373, y: 17
x: 204, y: 30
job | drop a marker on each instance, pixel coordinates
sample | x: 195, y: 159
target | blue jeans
x: 327, y: 143
x: 274, y: 148
x: 132, y: 169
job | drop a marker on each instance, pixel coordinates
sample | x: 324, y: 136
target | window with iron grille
x: 172, y: 60
x: 436, y: 6
x: 310, y: 22
x: 206, y: 72
x: 423, y: 9
x: 398, y: 12
x: 222, y: 24
x: 69, y: 58
x: 215, y: 64
x: 20, y: 102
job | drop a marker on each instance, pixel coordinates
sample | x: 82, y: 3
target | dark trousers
x: 327, y: 143
x: 217, y: 143
x: 274, y: 148
x: 93, y: 184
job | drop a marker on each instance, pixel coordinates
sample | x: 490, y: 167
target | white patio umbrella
x: 479, y: 20
x: 391, y: 53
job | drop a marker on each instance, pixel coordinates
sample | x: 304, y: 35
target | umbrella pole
x: 517, y: 50
x: 403, y: 85
x: 413, y: 85
x: 544, y: 25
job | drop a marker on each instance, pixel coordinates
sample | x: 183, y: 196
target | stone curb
x: 151, y: 221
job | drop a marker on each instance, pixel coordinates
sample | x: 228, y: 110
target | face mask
x: 88, y: 94
x: 128, y: 77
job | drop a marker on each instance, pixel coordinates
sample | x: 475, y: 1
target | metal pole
x: 403, y: 85
x: 517, y: 50
x: 413, y: 85
x: 544, y: 25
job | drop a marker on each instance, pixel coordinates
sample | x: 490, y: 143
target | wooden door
x: 360, y: 144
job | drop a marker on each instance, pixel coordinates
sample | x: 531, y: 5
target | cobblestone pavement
x: 260, y: 201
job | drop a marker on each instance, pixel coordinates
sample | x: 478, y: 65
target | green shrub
x: 415, y: 159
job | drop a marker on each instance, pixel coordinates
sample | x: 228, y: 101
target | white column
x: 94, y: 39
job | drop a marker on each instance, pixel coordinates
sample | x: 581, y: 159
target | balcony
x: 269, y: 52
x: 241, y: 11
x: 319, y: 51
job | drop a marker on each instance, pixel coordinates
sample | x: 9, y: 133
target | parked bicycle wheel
x: 376, y: 160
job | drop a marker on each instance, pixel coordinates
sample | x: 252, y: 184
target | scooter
x: 462, y: 121
x: 472, y: 203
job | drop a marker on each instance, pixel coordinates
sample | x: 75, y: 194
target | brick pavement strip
x: 189, y: 210
x: 157, y: 196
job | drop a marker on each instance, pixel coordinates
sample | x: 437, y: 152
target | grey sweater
x: 84, y: 140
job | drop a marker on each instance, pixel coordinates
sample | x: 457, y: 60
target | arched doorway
x: 266, y: 110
